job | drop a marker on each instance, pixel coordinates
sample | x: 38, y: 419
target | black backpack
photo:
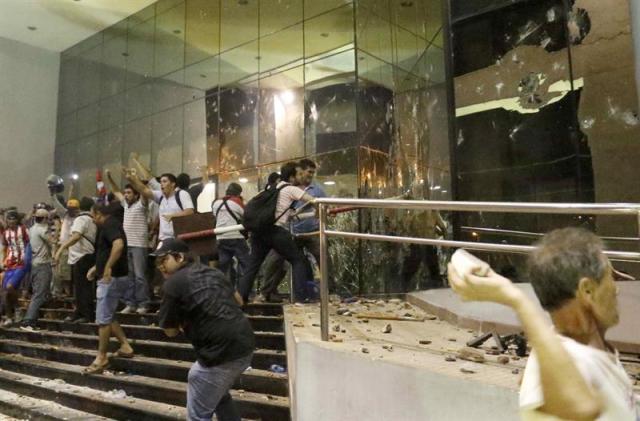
x: 259, y: 213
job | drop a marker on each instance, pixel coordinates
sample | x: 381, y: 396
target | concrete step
x: 263, y: 309
x: 252, y: 405
x: 14, y: 406
x: 258, y: 322
x: 90, y: 400
x: 262, y: 358
x: 266, y: 340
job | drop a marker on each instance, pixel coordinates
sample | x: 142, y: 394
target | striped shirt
x: 15, y: 242
x: 135, y: 224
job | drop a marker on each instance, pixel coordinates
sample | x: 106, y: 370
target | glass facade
x: 546, y: 111
x: 243, y: 86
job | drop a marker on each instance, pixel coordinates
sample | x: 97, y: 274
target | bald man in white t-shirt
x: 573, y: 373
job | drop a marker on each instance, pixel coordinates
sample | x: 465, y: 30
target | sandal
x: 95, y: 368
x: 119, y: 353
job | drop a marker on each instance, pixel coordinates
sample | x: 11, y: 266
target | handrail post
x: 324, y: 274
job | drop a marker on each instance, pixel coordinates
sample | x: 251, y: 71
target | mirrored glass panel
x: 137, y: 139
x: 86, y: 163
x: 238, y: 127
x: 276, y: 15
x: 195, y: 137
x: 328, y: 32
x: 110, y: 144
x: 112, y: 111
x: 89, y: 76
x: 114, y: 60
x: 239, y: 23
x: 281, y: 48
x: 313, y: 7
x: 282, y: 116
x: 169, y: 40
x: 239, y: 63
x: 202, y: 30
x: 140, y: 53
x: 166, y: 141
x: 203, y: 76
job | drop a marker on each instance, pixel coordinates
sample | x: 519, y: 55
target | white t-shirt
x: 83, y: 225
x: 169, y: 206
x: 286, y: 197
x: 603, y: 373
x: 224, y: 219
x: 135, y: 224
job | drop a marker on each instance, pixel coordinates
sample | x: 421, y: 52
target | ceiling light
x: 32, y: 28
x: 287, y: 97
x: 243, y: 180
x: 436, y: 188
x: 329, y: 183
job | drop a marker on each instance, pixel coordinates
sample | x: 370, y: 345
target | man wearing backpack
x: 266, y: 217
x: 81, y: 246
x: 173, y: 202
x: 229, y: 211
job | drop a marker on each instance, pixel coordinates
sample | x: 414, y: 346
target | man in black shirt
x: 200, y: 302
x: 112, y: 272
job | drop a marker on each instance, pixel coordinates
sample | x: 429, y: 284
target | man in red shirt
x: 15, y: 241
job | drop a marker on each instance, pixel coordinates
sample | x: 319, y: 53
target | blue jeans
x: 108, y: 295
x: 41, y: 276
x: 227, y: 249
x: 208, y: 390
x: 138, y: 293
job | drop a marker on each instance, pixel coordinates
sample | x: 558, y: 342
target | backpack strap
x: 84, y: 236
x: 232, y: 213
x: 286, y: 210
x: 178, y: 200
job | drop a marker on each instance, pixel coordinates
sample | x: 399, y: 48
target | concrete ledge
x: 337, y: 381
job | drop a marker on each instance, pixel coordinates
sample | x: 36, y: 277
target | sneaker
x: 80, y: 320
x: 7, y: 322
x: 142, y: 310
x: 129, y: 310
x: 29, y: 326
x: 260, y: 299
x: 69, y: 319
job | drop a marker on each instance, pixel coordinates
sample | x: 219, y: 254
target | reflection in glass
x: 202, y: 30
x: 166, y: 141
x: 238, y: 127
x: 314, y: 7
x: 169, y: 40
x: 140, y: 53
x: 112, y: 111
x: 89, y: 74
x: 239, y: 63
x: 282, y: 116
x: 329, y: 31
x: 114, y: 59
x: 88, y: 119
x: 137, y: 139
x: 87, y: 148
x: 110, y: 151
x: 203, y: 76
x: 279, y: 14
x: 239, y: 23
x: 281, y: 48
x: 195, y: 137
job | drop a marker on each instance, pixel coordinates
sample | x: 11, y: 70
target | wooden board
x: 197, y: 222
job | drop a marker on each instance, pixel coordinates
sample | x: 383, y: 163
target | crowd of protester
x: 111, y: 252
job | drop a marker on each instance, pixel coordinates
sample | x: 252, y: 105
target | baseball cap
x: 42, y: 213
x: 169, y: 246
x: 73, y: 203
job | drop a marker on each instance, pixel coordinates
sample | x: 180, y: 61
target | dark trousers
x: 84, y: 291
x: 227, y: 250
x: 281, y: 241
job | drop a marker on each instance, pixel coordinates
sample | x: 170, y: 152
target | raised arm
x: 59, y: 207
x: 114, y: 187
x: 72, y: 190
x: 138, y: 184
x: 144, y: 170
x: 566, y: 393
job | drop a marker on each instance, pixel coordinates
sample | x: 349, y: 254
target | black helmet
x: 55, y: 183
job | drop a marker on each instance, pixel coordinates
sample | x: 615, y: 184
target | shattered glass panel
x: 238, y: 127
x: 166, y: 141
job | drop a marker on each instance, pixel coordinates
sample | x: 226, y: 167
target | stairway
x: 46, y: 366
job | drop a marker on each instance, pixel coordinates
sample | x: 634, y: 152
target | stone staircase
x: 46, y: 366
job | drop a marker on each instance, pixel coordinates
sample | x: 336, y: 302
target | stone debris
x: 388, y: 347
x: 407, y: 306
x: 315, y: 324
x: 424, y: 342
x: 387, y: 328
x: 515, y: 371
x: 380, y: 303
x: 365, y: 350
x: 336, y: 328
x: 298, y: 325
x: 469, y: 368
x: 115, y: 394
x: 503, y: 359
x: 342, y: 311
x: 452, y: 339
x: 450, y: 358
x: 395, y: 301
x: 471, y: 354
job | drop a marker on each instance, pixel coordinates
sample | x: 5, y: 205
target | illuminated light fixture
x: 435, y: 188
x: 243, y: 180
x: 287, y: 97
x: 443, y: 191
x: 329, y: 183
x: 474, y: 234
x: 74, y: 176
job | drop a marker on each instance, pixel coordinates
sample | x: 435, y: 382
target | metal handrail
x: 515, y: 207
x: 528, y: 234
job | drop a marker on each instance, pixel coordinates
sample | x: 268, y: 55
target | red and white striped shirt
x: 15, y: 242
